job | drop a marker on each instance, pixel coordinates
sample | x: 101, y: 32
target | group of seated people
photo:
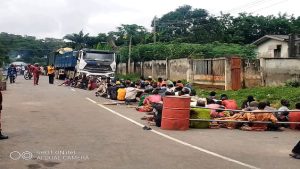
x: 251, y: 111
x: 81, y: 82
x: 145, y: 92
x: 149, y: 94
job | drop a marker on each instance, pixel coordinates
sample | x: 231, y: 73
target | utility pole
x: 129, y: 54
x: 154, y: 30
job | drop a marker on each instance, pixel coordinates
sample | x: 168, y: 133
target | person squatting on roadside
x: 1, y: 135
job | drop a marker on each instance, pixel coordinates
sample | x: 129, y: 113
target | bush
x: 161, y: 51
x: 132, y: 77
x: 292, y: 83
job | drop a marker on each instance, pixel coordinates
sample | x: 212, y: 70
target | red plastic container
x: 176, y: 113
x: 294, y: 117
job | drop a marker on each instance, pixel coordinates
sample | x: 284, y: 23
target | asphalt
x: 57, y: 127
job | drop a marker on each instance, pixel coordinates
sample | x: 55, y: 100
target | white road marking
x: 73, y: 90
x: 177, y: 140
x: 91, y: 100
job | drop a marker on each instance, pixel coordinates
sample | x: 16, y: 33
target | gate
x: 209, y: 73
x: 235, y: 73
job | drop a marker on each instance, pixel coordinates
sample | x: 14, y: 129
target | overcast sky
x: 56, y: 18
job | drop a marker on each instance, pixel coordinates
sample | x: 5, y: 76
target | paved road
x: 58, y: 127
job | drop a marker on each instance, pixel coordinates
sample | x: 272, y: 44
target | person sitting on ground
x: 229, y: 104
x: 78, y: 81
x: 213, y: 106
x: 212, y: 95
x: 83, y: 82
x: 167, y: 93
x: 145, y: 94
x: 170, y: 87
x: 148, y: 101
x: 121, y: 93
x: 185, y: 92
x: 247, y: 102
x: 163, y: 89
x: 296, y: 151
x: 178, y: 90
x: 179, y: 84
x: 113, y: 90
x: 268, y: 107
x: 102, y: 89
x: 283, y: 114
x: 159, y: 81
x: 92, y: 84
x: 259, y: 115
x: 252, y: 106
x: 149, y: 79
x: 295, y: 117
x: 200, y: 103
x: 154, y: 98
x: 67, y: 82
x: 131, y: 92
x: 147, y: 86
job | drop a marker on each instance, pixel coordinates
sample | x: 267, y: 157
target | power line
x: 248, y: 5
x: 266, y: 7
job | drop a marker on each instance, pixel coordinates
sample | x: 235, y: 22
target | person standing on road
x: 36, y: 73
x: 1, y: 136
x: 12, y: 73
x: 50, y: 70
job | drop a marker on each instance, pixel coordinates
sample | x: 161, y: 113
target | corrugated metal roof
x: 267, y: 37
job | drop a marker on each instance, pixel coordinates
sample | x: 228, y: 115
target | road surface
x: 57, y: 127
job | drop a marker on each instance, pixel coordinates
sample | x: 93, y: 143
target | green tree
x: 78, y: 41
x: 133, y: 34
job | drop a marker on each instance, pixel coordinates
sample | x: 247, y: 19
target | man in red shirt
x: 1, y: 136
x: 228, y: 104
x: 36, y: 73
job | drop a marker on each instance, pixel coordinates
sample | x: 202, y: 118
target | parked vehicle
x: 69, y: 63
x: 27, y: 75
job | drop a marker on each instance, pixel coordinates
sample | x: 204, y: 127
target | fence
x: 220, y: 72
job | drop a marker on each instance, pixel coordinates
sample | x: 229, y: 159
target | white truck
x: 69, y: 63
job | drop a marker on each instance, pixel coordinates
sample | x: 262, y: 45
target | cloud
x: 56, y: 18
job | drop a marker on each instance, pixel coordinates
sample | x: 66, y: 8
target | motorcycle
x: 27, y: 75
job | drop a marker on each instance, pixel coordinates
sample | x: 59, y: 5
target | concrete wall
x: 138, y: 68
x: 277, y: 71
x: 179, y: 69
x: 121, y: 68
x: 266, y: 50
x: 159, y: 69
x: 251, y: 73
x: 147, y: 69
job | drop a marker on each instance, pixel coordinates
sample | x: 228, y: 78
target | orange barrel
x: 176, y: 113
x: 294, y: 117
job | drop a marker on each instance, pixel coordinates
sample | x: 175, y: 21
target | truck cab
x: 96, y: 63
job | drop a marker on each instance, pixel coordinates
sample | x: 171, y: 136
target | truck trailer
x: 69, y: 63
